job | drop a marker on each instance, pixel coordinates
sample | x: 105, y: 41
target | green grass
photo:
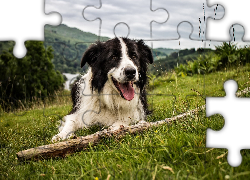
x: 179, y: 146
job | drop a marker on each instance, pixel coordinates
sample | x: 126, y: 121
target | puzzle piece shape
x: 129, y: 26
x: 29, y: 23
x: 185, y: 31
x: 236, y: 114
x: 177, y: 16
x: 235, y: 12
x: 237, y: 32
x: 71, y: 12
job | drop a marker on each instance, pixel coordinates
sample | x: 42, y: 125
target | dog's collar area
x: 126, y: 89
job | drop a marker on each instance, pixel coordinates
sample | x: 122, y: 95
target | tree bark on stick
x: 61, y: 149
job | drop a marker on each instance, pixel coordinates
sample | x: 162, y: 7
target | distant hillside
x: 69, y: 44
x: 63, y: 33
x: 167, y: 51
x: 161, y: 53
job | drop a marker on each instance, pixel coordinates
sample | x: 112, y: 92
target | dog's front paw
x: 115, y: 127
x: 63, y: 136
x: 56, y: 138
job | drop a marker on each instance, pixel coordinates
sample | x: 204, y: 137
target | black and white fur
x: 112, y: 93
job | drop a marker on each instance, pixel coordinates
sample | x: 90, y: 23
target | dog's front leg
x: 70, y: 126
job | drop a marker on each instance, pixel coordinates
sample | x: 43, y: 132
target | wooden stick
x: 61, y: 149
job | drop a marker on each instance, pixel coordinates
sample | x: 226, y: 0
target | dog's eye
x: 134, y: 56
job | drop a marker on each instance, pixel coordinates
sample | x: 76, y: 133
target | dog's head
x: 120, y: 61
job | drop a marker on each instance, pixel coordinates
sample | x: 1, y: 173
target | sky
x: 160, y: 23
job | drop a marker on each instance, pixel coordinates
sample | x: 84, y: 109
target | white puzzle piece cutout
x: 235, y: 134
x: 25, y: 24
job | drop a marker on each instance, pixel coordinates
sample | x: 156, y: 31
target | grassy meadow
x: 173, y: 151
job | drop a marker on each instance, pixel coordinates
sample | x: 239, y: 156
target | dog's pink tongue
x: 127, y: 91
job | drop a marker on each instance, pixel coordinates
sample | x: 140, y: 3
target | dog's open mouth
x: 126, y: 89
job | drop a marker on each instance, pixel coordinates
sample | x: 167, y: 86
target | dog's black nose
x: 130, y: 72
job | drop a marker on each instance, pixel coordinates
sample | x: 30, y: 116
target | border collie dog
x: 112, y: 93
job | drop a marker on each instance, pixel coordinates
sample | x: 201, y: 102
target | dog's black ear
x: 146, y: 51
x: 91, y: 54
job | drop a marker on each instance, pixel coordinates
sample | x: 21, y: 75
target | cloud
x: 138, y: 16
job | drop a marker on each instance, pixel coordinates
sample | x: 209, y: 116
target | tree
x: 32, y: 76
x: 227, y: 52
x: 174, y: 54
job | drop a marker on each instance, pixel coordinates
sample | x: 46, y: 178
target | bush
x: 225, y: 56
x: 29, y: 78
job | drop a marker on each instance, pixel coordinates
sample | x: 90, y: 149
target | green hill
x: 69, y: 44
x: 63, y: 33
